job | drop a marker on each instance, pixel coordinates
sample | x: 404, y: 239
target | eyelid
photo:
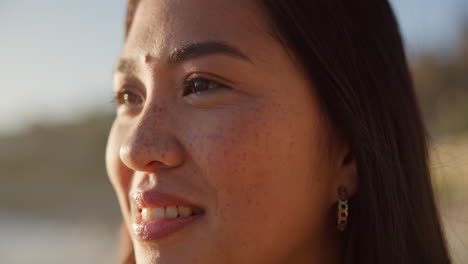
x: 209, y: 76
x: 129, y: 82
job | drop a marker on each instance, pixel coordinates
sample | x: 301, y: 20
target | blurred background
x: 56, y: 58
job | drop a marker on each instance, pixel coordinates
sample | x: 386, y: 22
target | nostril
x: 151, y: 166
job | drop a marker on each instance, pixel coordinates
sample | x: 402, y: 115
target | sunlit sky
x: 56, y: 56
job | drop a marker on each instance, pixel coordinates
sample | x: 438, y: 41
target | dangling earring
x: 342, y: 208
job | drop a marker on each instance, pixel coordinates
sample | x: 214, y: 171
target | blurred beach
x: 29, y: 238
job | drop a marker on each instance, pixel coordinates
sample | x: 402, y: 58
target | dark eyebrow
x: 187, y: 52
x: 125, y: 65
x: 197, y: 49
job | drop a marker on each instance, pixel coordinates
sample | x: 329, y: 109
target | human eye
x: 198, y: 85
x: 128, y: 98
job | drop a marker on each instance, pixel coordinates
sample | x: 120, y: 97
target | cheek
x: 263, y: 163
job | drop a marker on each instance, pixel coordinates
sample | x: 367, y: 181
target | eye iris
x: 200, y: 85
x: 129, y: 98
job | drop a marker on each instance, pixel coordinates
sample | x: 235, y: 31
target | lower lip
x: 159, y: 229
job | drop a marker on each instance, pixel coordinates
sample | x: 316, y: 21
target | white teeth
x: 158, y: 213
x: 146, y: 214
x: 184, y: 211
x: 171, y: 212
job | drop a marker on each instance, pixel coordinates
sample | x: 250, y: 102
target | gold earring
x: 342, y: 208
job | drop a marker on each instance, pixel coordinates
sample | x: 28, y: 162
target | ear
x: 345, y: 172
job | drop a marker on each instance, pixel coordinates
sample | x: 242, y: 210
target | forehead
x: 160, y: 26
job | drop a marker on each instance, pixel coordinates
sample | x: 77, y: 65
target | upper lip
x: 154, y: 198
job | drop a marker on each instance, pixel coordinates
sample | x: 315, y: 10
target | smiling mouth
x: 159, y: 215
x: 168, y: 212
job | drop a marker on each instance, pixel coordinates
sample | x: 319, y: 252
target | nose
x: 150, y: 143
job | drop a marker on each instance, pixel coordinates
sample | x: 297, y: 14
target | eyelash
x: 125, y: 95
x: 200, y: 80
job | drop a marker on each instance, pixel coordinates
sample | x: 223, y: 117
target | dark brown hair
x: 353, y: 53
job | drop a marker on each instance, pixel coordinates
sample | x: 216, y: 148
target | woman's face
x: 217, y: 153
